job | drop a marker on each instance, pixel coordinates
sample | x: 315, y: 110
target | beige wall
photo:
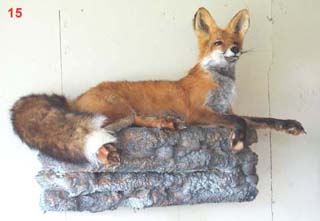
x: 153, y: 39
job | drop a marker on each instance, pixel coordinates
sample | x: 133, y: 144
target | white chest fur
x: 220, y: 99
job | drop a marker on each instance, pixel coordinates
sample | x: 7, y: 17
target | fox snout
x: 233, y: 51
x: 232, y: 54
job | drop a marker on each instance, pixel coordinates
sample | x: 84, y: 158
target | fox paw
x: 238, y: 138
x: 176, y: 123
x: 108, y: 155
x: 292, y: 127
x: 178, y: 120
x: 171, y: 124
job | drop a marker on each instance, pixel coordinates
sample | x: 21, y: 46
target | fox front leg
x: 289, y: 126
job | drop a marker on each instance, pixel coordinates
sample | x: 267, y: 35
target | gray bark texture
x: 158, y: 168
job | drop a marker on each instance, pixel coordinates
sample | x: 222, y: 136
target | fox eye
x: 218, y: 43
x: 236, y: 43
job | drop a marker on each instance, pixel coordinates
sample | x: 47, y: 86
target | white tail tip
x: 96, y: 139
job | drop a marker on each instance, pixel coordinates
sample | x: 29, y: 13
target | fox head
x: 220, y: 49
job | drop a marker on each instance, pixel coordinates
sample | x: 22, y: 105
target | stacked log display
x: 157, y: 168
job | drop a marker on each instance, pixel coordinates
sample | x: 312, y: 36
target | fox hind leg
x: 166, y: 122
x: 108, y: 155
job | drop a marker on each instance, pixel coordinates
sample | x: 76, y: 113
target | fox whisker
x: 246, y: 51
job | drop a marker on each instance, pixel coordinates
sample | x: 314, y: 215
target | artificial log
x: 158, y: 168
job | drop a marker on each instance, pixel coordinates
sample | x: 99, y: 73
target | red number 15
x: 15, y: 13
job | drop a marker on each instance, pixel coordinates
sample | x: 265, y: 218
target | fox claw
x: 179, y: 124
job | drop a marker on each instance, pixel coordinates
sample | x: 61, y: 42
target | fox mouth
x: 232, y: 59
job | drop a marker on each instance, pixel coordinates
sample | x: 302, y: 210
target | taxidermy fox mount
x: 81, y: 130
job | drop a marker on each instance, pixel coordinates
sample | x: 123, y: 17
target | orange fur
x: 117, y: 100
x: 186, y: 96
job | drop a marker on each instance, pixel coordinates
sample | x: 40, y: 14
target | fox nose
x: 235, y: 49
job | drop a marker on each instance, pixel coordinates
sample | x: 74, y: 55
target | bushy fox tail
x: 47, y: 123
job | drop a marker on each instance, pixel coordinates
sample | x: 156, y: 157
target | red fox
x: 81, y: 130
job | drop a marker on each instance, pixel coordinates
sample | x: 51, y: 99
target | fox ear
x: 240, y: 22
x: 203, y: 23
